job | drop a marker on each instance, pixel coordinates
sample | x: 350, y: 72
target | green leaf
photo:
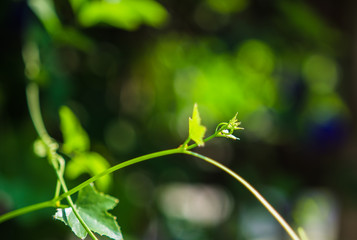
x: 92, y: 163
x: 196, y: 130
x: 126, y: 14
x: 92, y: 206
x: 74, y: 136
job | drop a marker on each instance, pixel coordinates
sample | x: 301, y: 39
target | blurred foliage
x: 76, y: 145
x: 74, y: 136
x: 126, y: 14
x: 47, y: 15
x: 132, y: 70
x: 248, y: 79
x: 220, y: 82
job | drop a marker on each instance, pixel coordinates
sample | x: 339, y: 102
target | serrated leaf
x: 92, y: 163
x: 74, y: 136
x: 196, y: 130
x: 92, y: 206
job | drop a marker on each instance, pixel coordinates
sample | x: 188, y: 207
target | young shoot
x: 226, y: 130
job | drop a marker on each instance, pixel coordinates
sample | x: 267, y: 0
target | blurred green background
x: 131, y: 71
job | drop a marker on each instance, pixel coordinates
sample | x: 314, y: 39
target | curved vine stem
x: 22, y: 211
x: 256, y: 194
x: 58, y: 164
x: 54, y: 202
x: 130, y: 162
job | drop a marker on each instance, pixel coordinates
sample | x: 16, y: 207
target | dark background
x: 132, y: 72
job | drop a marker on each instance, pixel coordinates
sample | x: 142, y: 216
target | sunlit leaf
x: 126, y: 14
x: 75, y: 138
x: 196, y: 130
x: 92, y: 206
x: 92, y: 163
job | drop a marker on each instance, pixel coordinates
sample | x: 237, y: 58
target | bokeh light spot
x: 120, y: 136
x: 317, y: 213
x: 203, y: 205
x: 255, y: 57
x: 321, y: 73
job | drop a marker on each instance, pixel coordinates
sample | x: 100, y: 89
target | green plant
x: 89, y: 213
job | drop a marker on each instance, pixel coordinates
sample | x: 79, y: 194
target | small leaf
x: 74, y: 136
x: 92, y: 163
x: 92, y: 206
x: 196, y: 130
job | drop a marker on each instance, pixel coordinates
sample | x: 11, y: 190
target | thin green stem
x: 55, y: 201
x: 117, y: 167
x: 71, y: 204
x: 56, y: 160
x: 22, y: 211
x: 60, y: 172
x: 58, y: 189
x: 35, y: 112
x: 184, y: 145
x: 263, y: 201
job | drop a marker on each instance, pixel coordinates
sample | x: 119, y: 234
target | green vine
x: 196, y: 134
